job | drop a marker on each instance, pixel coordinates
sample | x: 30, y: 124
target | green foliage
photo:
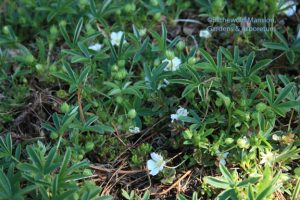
x: 114, y: 81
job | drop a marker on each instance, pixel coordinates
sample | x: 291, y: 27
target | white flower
x: 267, y: 158
x: 173, y: 64
x: 180, y: 112
x: 115, y: 38
x: 204, y: 34
x: 95, y: 47
x: 155, y: 164
x: 289, y: 8
x: 276, y: 137
x: 134, y: 129
x: 222, y: 157
x: 164, y: 84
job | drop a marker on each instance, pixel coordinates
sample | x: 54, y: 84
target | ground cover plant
x: 153, y: 99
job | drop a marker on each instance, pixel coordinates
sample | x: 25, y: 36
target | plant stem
x: 80, y: 105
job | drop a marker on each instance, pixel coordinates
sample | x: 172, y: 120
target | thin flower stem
x: 175, y: 166
x: 188, y: 20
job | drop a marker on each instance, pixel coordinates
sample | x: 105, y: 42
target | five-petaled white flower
x: 173, y: 64
x: 289, y: 8
x: 115, y: 38
x: 155, y: 164
x: 204, y: 34
x: 222, y: 157
x: 180, y: 112
x: 267, y: 158
x: 134, y: 129
x: 95, y: 47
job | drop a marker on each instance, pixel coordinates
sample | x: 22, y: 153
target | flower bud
x: 192, y: 60
x: 180, y: 45
x: 229, y: 141
x: 170, y: 55
x: 157, y: 16
x: 64, y: 107
x: 89, y: 146
x: 260, y: 107
x: 5, y: 30
x: 243, y: 143
x: 132, y: 113
x: 121, y: 63
x: 119, y: 99
x: 115, y: 68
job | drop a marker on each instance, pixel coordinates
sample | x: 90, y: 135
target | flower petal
x: 151, y: 165
x: 154, y: 172
x: 223, y: 161
x: 156, y: 157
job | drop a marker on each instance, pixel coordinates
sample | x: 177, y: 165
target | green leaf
x: 245, y: 183
x: 146, y: 195
x: 84, y: 49
x: 208, y: 58
x: 65, y: 162
x: 106, y: 197
x: 83, y: 74
x: 188, y: 89
x: 227, y: 194
x: 281, y: 38
x: 275, y: 45
x: 164, y: 36
x: 219, y: 59
x: 250, y: 193
x: 65, y: 34
x: 289, y: 104
x: 283, y: 93
x: 35, y: 158
x: 181, y: 197
x: 226, y: 53
x: 216, y: 182
x: 291, y: 56
x: 93, y: 8
x: 296, y: 190
x: 70, y: 71
x: 5, y: 184
x: 249, y: 63
x: 102, y: 128
x: 78, y: 30
x: 49, y: 161
x: 225, y: 172
x: 271, y: 87
x: 141, y: 50
x: 236, y: 54
x: 259, y: 65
